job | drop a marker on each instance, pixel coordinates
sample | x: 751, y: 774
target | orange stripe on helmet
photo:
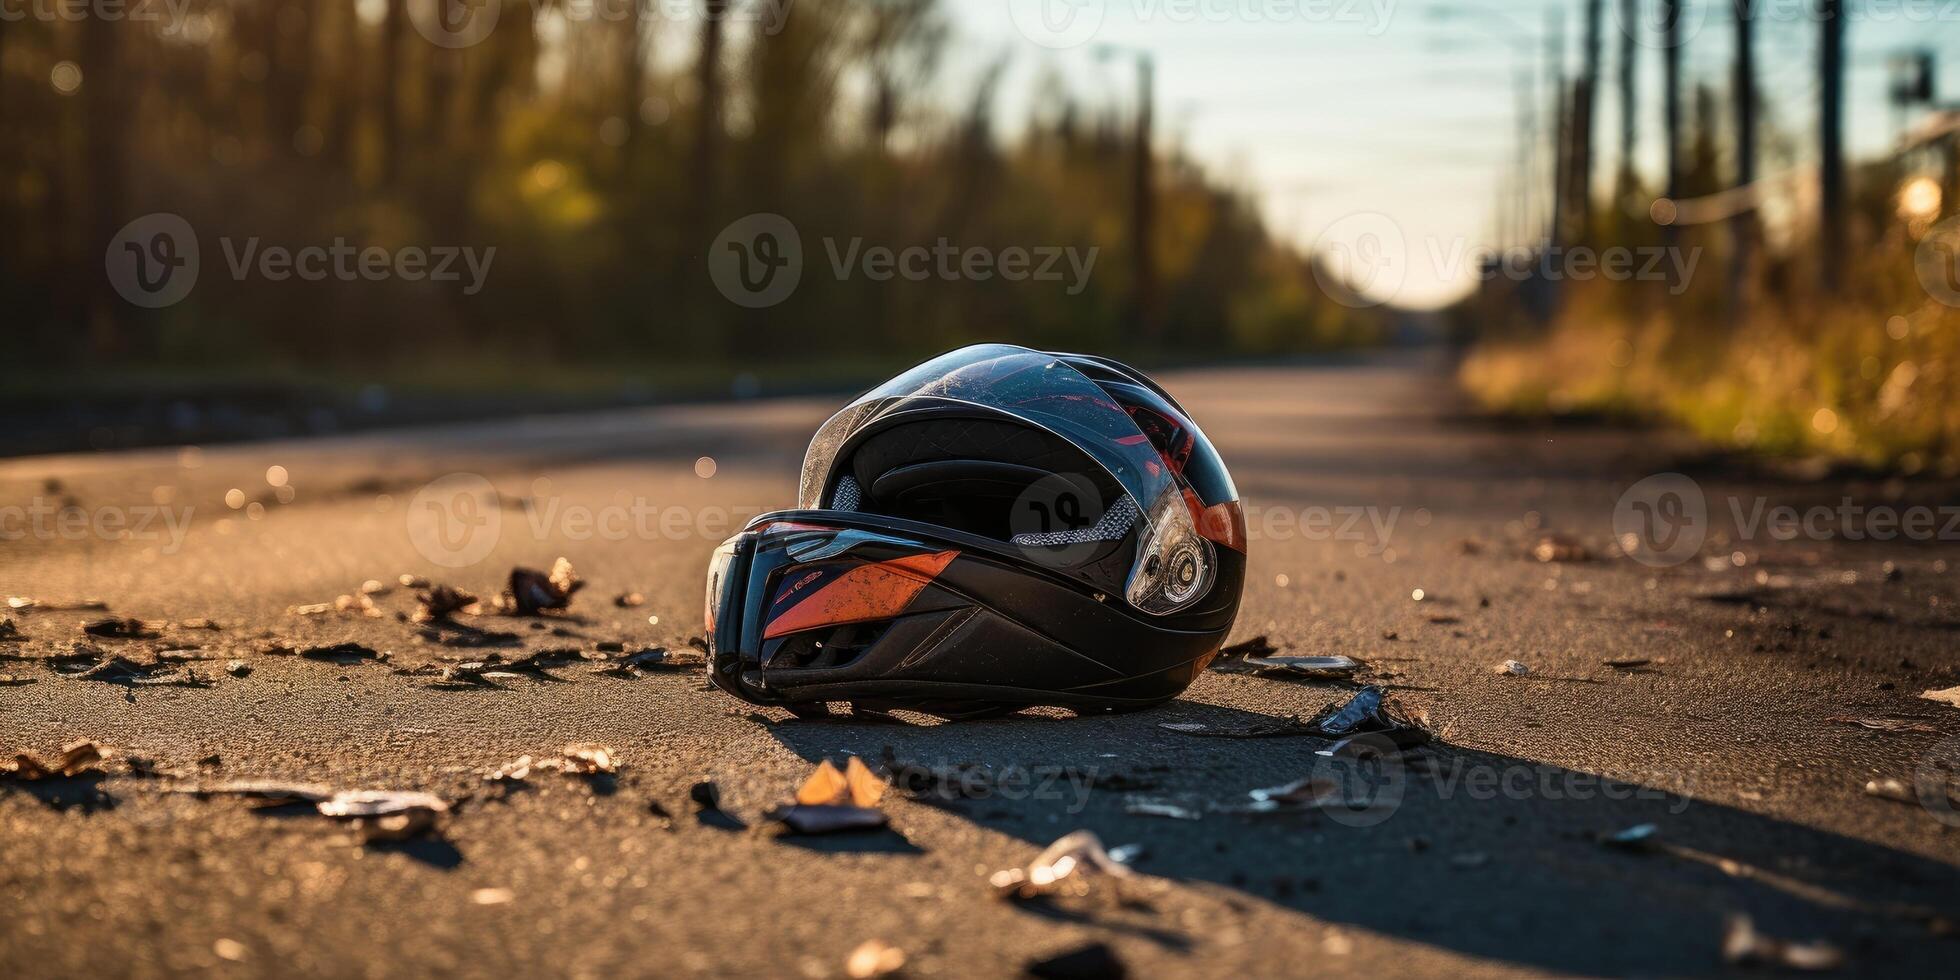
x: 878, y: 590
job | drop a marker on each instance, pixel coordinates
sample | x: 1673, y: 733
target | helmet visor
x: 1173, y: 565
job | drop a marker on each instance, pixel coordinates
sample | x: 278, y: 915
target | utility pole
x: 1743, y: 225
x: 1587, y: 97
x: 1830, y: 124
x: 1629, y: 100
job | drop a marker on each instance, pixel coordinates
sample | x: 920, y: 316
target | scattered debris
x: 1743, y: 945
x: 238, y: 668
x: 119, y: 629
x: 637, y: 665
x: 1096, y: 960
x: 29, y: 603
x: 1630, y: 664
x: 584, y: 759
x: 874, y: 958
x: 375, y: 586
x: 200, y: 623
x: 705, y: 794
x: 1333, y: 668
x: 532, y: 592
x: 1895, y: 725
x: 89, y: 664
x: 1151, y: 806
x: 313, y: 609
x: 1891, y: 789
x: 1366, y: 713
x: 1560, y: 548
x: 1639, y: 837
x: 1512, y: 668
x: 385, y: 815
x: 831, y: 800
x: 15, y: 680
x: 493, y: 667
x: 1258, y: 646
x: 1066, y: 866
x: 362, y: 604
x: 271, y: 792
x: 343, y: 654
x: 76, y: 759
x: 1311, y: 793
x: 629, y: 600
x: 441, y: 602
x: 576, y: 759
x: 412, y: 581
x: 1444, y: 619
x: 8, y: 631
x: 492, y: 896
x: 1950, y: 696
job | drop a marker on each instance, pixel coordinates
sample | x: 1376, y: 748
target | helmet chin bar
x: 1175, y: 565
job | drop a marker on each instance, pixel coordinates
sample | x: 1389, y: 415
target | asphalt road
x: 1485, y: 859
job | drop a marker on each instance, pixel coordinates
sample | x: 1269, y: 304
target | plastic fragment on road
x: 1065, y: 867
x: 832, y: 800
x: 1512, y: 668
x: 1312, y: 668
x: 1155, y: 806
x: 1366, y: 713
x: 118, y: 629
x: 76, y: 759
x: 1949, y: 695
x: 386, y: 815
x: 1639, y: 837
x: 874, y: 958
x: 1894, y: 725
x: 1742, y: 945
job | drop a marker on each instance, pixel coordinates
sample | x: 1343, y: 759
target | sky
x: 1399, y: 119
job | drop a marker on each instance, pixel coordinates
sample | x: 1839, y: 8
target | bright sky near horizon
x: 1334, y: 111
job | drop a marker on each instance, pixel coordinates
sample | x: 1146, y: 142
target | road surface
x: 1367, y: 487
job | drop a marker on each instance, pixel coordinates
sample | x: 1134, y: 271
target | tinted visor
x: 1173, y: 564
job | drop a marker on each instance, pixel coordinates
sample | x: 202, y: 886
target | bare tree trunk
x: 392, y: 27
x: 1582, y: 122
x: 704, y: 174
x: 1830, y: 125
x: 105, y: 145
x: 1743, y: 225
x: 1147, y: 317
x: 1629, y: 98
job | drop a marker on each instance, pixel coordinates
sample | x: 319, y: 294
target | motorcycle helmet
x: 997, y: 528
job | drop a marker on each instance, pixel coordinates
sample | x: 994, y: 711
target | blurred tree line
x: 1819, y: 312
x: 600, y: 149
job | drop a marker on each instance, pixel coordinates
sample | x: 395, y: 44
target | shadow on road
x: 1488, y: 855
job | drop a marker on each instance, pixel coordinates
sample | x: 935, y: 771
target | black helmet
x: 994, y: 529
